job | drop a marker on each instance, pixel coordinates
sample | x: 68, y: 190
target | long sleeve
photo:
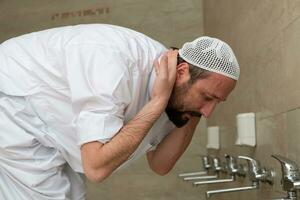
x: 99, y: 81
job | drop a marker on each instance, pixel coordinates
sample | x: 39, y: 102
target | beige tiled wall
x: 172, y: 21
x: 265, y: 37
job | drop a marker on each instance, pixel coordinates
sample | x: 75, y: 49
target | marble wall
x: 172, y: 21
x: 265, y: 36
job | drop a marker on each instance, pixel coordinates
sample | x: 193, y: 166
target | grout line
x: 280, y: 113
x: 291, y: 22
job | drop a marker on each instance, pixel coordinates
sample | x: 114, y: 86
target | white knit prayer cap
x: 211, y: 54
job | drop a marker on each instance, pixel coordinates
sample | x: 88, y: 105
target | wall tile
x: 265, y: 37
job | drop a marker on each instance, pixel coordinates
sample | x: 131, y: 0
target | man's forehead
x: 217, y: 86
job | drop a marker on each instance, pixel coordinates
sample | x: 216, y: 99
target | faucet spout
x: 213, y: 192
x: 214, y: 181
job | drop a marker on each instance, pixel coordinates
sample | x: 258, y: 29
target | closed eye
x: 208, y: 98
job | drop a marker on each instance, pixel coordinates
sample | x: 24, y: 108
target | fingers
x: 172, y: 63
x: 166, y: 75
x: 163, y: 66
x: 167, y: 66
x: 172, y: 57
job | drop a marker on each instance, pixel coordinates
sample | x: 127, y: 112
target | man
x: 92, y: 98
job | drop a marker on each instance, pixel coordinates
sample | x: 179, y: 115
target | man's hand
x: 165, y: 75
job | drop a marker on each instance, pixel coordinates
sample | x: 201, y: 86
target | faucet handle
x: 216, y: 164
x: 206, y: 162
x: 231, y: 164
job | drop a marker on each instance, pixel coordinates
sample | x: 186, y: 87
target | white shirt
x: 84, y: 83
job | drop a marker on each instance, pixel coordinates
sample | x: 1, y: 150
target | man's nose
x: 207, y: 109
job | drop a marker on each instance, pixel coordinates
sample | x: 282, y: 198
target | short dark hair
x: 195, y: 72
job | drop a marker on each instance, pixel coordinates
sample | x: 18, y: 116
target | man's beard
x: 179, y: 118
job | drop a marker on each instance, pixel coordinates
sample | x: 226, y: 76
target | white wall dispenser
x: 213, y: 141
x: 246, y: 129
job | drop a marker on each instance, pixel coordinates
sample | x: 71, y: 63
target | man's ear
x: 183, y: 73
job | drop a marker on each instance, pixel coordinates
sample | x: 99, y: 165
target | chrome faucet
x: 206, y: 161
x: 216, y: 164
x: 256, y: 175
x: 232, y: 170
x: 290, y: 177
x: 216, y: 167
